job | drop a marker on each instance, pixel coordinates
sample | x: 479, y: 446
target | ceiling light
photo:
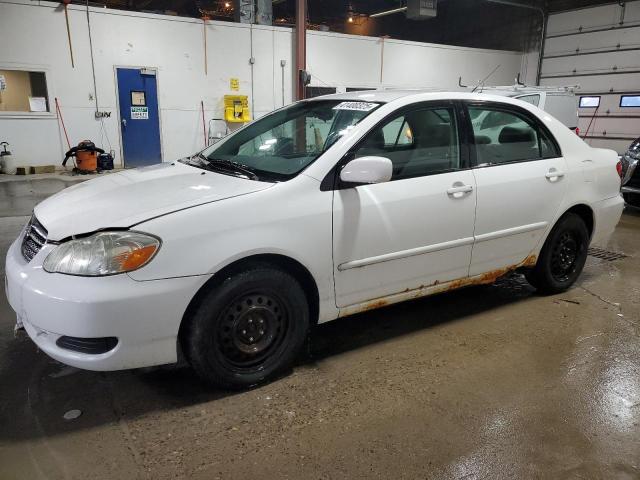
x: 227, y: 5
x: 388, y: 12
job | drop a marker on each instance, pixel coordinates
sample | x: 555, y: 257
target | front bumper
x: 143, y: 316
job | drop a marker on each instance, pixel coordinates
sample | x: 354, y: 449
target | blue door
x: 139, y: 120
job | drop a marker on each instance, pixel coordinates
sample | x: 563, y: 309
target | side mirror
x: 367, y: 170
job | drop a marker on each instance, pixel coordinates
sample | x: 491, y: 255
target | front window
x: 422, y: 141
x: 279, y: 146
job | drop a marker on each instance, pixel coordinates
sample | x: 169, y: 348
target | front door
x: 520, y: 182
x: 139, y: 119
x: 416, y: 229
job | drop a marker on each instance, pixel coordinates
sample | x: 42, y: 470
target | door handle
x: 124, y: 122
x: 458, y: 190
x: 554, y: 175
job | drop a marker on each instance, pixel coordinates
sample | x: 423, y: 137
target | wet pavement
x: 488, y: 382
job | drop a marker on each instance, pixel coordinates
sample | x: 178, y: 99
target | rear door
x: 519, y: 173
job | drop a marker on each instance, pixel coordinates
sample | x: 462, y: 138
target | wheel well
x: 282, y: 262
x: 584, y: 212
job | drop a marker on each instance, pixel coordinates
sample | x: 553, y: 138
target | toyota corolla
x: 322, y: 209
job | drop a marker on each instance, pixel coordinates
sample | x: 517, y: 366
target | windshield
x: 280, y: 145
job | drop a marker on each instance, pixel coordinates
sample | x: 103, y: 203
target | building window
x: 23, y: 91
x: 630, y: 101
x: 589, y: 102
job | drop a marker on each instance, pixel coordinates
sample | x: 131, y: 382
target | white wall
x: 586, y: 47
x: 342, y: 61
x: 33, y: 36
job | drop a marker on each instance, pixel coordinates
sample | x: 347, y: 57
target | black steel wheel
x: 252, y: 327
x: 562, y: 257
x: 248, y: 328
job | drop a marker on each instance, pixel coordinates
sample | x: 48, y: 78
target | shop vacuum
x: 89, y: 158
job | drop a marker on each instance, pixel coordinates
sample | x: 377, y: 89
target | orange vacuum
x: 86, y: 157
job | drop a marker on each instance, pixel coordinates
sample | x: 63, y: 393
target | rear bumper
x: 144, y: 317
x: 607, y: 215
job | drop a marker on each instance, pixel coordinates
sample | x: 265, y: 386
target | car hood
x: 123, y: 199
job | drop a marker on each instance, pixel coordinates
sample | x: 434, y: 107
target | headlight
x: 104, y: 253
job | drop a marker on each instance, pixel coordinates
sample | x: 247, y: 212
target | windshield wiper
x: 229, y: 165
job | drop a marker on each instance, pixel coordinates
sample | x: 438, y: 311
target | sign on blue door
x: 139, y: 119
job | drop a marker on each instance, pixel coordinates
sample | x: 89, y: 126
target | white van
x: 561, y: 102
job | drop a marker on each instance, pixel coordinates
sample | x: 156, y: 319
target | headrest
x: 434, y: 136
x: 516, y: 135
x: 482, y: 140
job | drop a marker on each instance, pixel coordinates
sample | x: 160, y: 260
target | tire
x: 248, y: 328
x: 562, y: 257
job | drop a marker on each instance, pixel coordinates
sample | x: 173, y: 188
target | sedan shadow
x: 39, y: 390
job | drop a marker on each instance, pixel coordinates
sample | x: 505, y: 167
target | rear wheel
x: 248, y: 329
x: 562, y: 257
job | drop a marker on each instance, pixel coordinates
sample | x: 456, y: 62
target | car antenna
x: 460, y: 83
x: 481, y: 82
x: 518, y: 82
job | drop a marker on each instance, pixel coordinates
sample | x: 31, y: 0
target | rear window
x: 504, y: 137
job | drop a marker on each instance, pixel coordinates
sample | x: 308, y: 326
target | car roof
x: 387, y: 96
x: 370, y: 95
x: 390, y: 95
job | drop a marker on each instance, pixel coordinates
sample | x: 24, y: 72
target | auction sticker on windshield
x: 359, y: 106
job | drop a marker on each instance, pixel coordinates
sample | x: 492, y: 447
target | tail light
x: 577, y: 130
x: 619, y: 169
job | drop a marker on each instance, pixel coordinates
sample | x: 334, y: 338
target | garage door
x: 599, y: 49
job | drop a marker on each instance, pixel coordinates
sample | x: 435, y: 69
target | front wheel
x: 247, y: 329
x: 562, y: 257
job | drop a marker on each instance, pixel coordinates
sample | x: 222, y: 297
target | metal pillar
x: 301, y: 46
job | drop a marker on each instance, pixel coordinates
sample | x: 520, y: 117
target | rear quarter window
x: 532, y: 99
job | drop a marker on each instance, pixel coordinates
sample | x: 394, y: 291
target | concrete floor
x: 489, y: 382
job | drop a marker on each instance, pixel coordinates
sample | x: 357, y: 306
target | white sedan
x: 325, y: 208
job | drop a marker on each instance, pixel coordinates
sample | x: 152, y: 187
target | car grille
x: 35, y: 236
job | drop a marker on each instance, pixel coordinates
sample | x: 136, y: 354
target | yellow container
x: 236, y: 108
